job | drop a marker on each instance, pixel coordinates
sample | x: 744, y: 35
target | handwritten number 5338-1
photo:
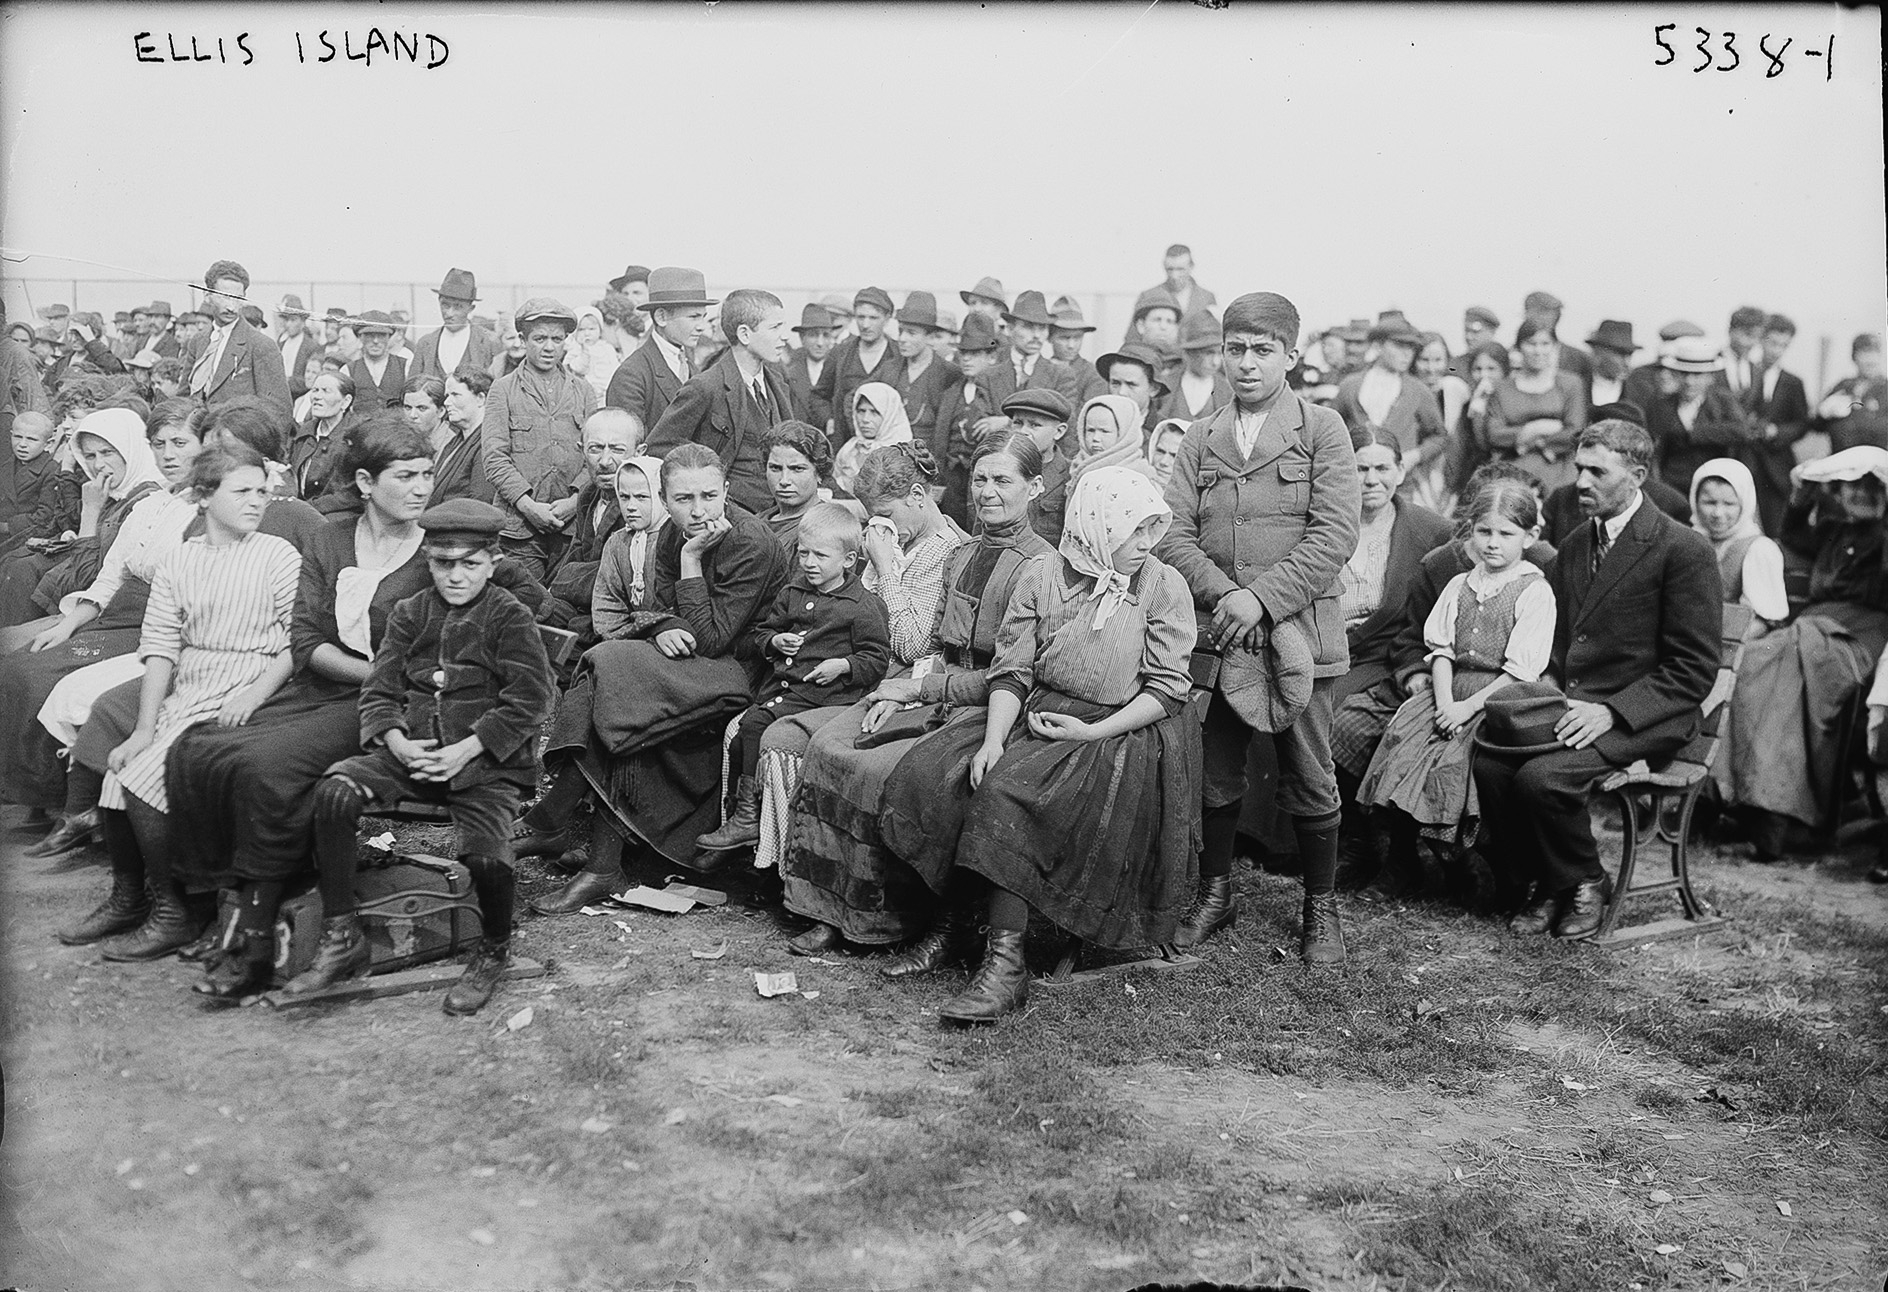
x: 1726, y: 58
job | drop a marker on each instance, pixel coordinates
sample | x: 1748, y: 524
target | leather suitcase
x: 414, y: 909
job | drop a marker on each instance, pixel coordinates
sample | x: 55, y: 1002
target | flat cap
x: 1541, y: 301
x: 877, y: 297
x: 1678, y: 328
x: 1481, y: 314
x: 462, y: 522
x: 1040, y: 399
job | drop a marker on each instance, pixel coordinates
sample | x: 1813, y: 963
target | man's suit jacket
x: 459, y: 471
x: 1751, y: 395
x: 1199, y: 298
x: 1560, y: 514
x: 808, y: 406
x: 842, y: 376
x: 1721, y: 429
x: 295, y: 367
x: 391, y: 390
x: 957, y: 418
x: 644, y: 385
x: 1770, y: 461
x: 1174, y: 404
x: 717, y: 410
x: 166, y: 344
x: 924, y: 399
x: 1088, y: 382
x: 481, y: 348
x: 1642, y: 635
x: 1046, y: 375
x: 251, y: 366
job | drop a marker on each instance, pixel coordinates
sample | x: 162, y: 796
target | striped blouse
x: 914, y: 597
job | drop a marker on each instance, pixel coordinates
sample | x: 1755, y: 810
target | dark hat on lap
x: 1519, y: 720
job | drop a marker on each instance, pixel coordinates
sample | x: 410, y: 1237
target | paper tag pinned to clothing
x: 383, y: 841
x: 770, y: 985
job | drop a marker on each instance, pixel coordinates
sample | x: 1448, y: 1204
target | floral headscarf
x: 1105, y: 507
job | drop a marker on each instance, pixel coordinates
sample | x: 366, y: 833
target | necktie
x: 1021, y: 375
x: 206, y: 366
x: 1601, y: 544
x: 762, y: 400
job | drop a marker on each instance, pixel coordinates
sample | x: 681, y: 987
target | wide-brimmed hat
x: 290, y: 306
x: 1155, y: 298
x: 877, y: 297
x: 1613, y: 334
x: 1268, y: 688
x: 1030, y: 308
x: 919, y: 310
x: 978, y: 333
x: 1355, y: 330
x: 989, y: 289
x: 542, y: 307
x: 1392, y: 326
x: 1136, y: 352
x: 374, y: 321
x: 1692, y: 354
x: 1520, y: 718
x: 1200, y: 331
x: 815, y: 318
x: 947, y: 322
x: 458, y: 284
x: 631, y: 274
x: 673, y: 287
x: 158, y: 307
x: 1066, y: 316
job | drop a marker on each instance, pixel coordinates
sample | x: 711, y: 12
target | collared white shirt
x: 376, y: 370
x: 212, y: 356
x: 1024, y: 365
x: 1606, y: 391
x: 1738, y: 371
x: 1377, y: 393
x: 295, y: 354
x: 1246, y: 427
x: 672, y: 355
x: 1770, y: 376
x: 1617, y: 524
x: 1688, y: 411
x: 813, y: 369
x: 452, y: 348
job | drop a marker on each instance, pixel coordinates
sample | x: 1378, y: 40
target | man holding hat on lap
x: 461, y: 346
x: 646, y: 382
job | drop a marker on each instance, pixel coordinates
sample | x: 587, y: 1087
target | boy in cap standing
x: 1265, y: 514
x: 533, y: 437
x: 450, y: 714
x: 645, y: 382
x: 869, y: 356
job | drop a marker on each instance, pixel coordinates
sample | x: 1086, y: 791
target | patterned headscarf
x: 1105, y: 507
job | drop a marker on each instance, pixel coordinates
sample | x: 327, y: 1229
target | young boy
x: 1044, y: 415
x: 37, y: 500
x: 1265, y: 506
x: 827, y: 641
x: 450, y: 713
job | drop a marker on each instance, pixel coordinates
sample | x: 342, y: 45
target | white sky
x: 1355, y: 158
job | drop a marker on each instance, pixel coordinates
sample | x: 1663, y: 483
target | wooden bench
x: 1655, y: 809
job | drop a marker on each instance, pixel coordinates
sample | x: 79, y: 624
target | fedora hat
x: 1612, y: 334
x: 978, y: 333
x: 919, y: 310
x: 458, y: 284
x: 374, y: 321
x: 631, y: 274
x: 1155, y: 298
x: 988, y: 289
x: 1392, y: 326
x: 1692, y: 354
x: 1519, y: 719
x: 158, y: 307
x: 672, y: 287
x: 290, y: 306
x: 1030, y: 308
x: 1355, y: 330
x: 1136, y: 352
x: 1268, y: 688
x: 815, y: 318
x: 1200, y: 331
x: 1067, y: 316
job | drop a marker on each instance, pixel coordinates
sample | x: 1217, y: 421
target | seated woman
x: 215, y: 646
x: 1108, y: 431
x: 1724, y: 509
x: 1433, y: 362
x: 1163, y: 446
x: 878, y: 421
x: 1088, y: 808
x: 834, y: 867
x: 315, y: 451
x: 1535, y: 416
x: 1487, y: 366
x: 646, y: 712
x: 906, y: 549
x: 799, y: 460
x: 1797, y: 685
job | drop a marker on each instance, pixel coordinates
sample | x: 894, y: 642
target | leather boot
x: 124, y: 908
x: 526, y: 842
x: 342, y: 954
x: 167, y: 928
x: 584, y: 889
x: 219, y: 932
x: 480, y: 979
x: 76, y: 831
x: 243, y: 970
x: 1000, y: 985
x: 816, y: 940
x: 1323, y: 940
x: 1584, y: 909
x: 932, y: 951
x: 1537, y: 916
x: 1216, y: 908
x: 743, y: 827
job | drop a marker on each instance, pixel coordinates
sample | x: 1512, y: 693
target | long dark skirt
x: 30, y: 770
x: 20, y: 573
x: 244, y: 794
x: 922, y: 810
x: 114, y: 715
x: 837, y: 867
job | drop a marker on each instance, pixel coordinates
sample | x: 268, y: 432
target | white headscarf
x: 894, y: 428
x: 1738, y: 477
x: 639, y: 540
x: 1125, y: 446
x: 1105, y: 507
x: 124, y: 431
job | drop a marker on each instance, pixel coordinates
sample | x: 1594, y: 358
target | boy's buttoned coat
x: 1281, y: 522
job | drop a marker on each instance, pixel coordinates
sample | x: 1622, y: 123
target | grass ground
x: 1457, y: 1109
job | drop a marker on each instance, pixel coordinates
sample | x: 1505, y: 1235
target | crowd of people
x: 938, y: 621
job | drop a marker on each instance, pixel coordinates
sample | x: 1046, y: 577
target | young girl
x: 623, y: 574
x: 1110, y: 429
x: 798, y: 459
x: 1724, y: 510
x: 1491, y: 626
x: 215, y: 647
x: 878, y: 420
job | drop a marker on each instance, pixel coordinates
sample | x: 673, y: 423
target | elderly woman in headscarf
x: 1108, y: 434
x: 1081, y: 798
x: 1163, y: 446
x: 1797, y: 685
x: 878, y: 421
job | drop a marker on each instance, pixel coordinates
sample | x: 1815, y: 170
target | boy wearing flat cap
x: 1044, y: 415
x: 450, y: 714
x: 1265, y: 514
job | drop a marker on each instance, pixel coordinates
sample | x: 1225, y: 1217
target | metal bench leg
x: 1628, y: 859
x: 1695, y: 907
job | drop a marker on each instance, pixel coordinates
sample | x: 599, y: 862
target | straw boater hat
x: 1692, y: 354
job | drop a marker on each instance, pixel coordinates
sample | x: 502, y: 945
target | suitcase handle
x: 415, y: 904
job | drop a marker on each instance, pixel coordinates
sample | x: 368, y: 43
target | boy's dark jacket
x: 847, y: 623
x: 498, y: 682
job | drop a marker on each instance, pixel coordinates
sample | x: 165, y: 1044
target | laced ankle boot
x: 166, y: 928
x: 743, y: 827
x: 480, y: 979
x: 932, y: 951
x: 124, y: 908
x: 342, y: 954
x: 1323, y: 940
x: 1000, y: 985
x: 1215, y: 908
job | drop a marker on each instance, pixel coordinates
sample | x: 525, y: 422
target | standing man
x: 533, y: 433
x: 1648, y: 381
x: 459, y: 466
x: 379, y: 375
x: 923, y: 381
x: 649, y: 378
x: 988, y: 299
x: 1636, y: 638
x: 806, y: 364
x: 1546, y: 307
x: 1780, y: 417
x: 1177, y: 290
x: 1743, y: 358
x: 1701, y: 420
x: 1265, y: 505
x: 965, y: 409
x: 20, y: 387
x: 731, y: 407
x: 297, y: 344
x: 1613, y: 348
x: 232, y: 360
x: 1202, y: 389
x: 1068, y: 332
x: 459, y: 346
x: 1023, y: 366
x: 869, y: 356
